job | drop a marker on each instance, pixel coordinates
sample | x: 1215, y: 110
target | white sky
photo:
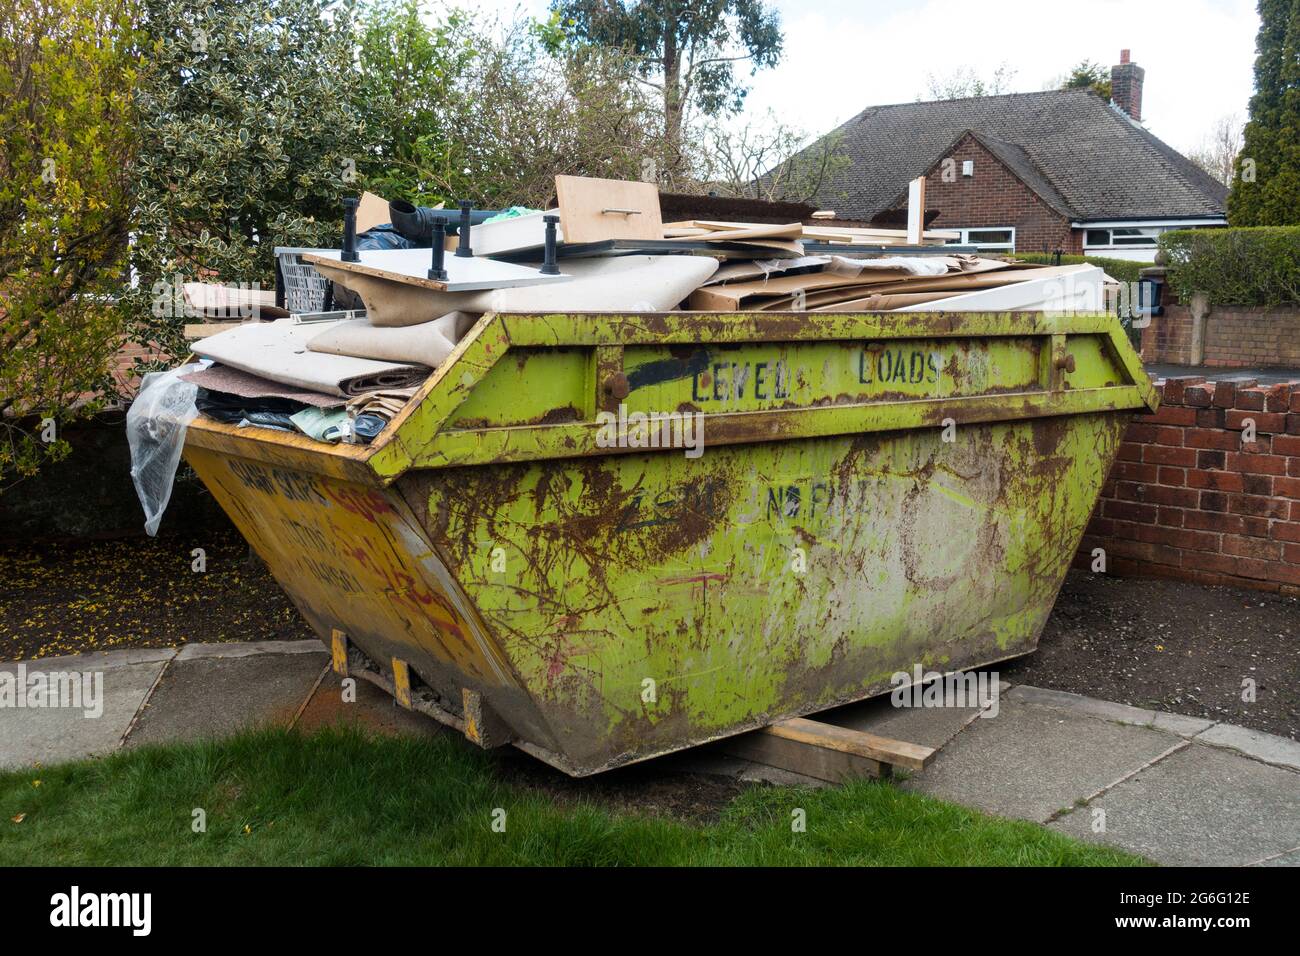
x: 844, y: 55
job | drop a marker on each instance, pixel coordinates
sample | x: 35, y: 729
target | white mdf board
x: 1069, y: 289
x: 411, y: 266
x: 512, y: 235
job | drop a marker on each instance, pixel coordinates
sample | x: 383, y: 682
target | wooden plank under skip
x: 827, y: 752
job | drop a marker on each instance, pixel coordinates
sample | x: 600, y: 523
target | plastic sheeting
x: 155, y: 430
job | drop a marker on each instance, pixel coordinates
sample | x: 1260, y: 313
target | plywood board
x: 411, y: 266
x: 592, y: 210
x: 372, y: 211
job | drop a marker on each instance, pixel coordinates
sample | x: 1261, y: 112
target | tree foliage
x: 964, y: 82
x: 686, y: 50
x: 406, y: 68
x: 767, y: 159
x: 1266, y: 187
x: 463, y: 108
x: 1089, y: 76
x: 248, y: 140
x: 67, y: 69
x: 1218, y: 151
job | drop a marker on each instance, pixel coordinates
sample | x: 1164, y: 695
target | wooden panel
x: 814, y: 733
x: 590, y: 209
x: 833, y: 766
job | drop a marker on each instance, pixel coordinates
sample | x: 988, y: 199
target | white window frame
x: 988, y: 246
x: 1153, y: 232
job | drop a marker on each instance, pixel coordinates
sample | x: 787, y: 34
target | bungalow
x: 1027, y: 172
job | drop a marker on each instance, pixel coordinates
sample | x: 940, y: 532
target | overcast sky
x: 844, y: 55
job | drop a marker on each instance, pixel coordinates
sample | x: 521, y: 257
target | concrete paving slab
x: 1266, y: 747
x: 928, y: 726
x: 54, y: 734
x: 1179, y: 724
x: 1290, y: 858
x: 101, y: 660
x: 1029, y: 762
x: 373, y: 710
x: 1199, y: 807
x: 204, y: 699
x: 192, y: 652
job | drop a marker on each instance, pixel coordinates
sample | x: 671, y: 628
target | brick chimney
x: 1126, y: 86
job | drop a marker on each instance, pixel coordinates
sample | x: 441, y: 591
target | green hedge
x: 1121, y: 270
x: 1254, y: 266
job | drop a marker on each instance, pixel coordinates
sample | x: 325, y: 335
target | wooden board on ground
x: 592, y: 210
x: 827, y: 752
x: 411, y: 267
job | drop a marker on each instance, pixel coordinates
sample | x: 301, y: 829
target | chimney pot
x: 1123, y: 56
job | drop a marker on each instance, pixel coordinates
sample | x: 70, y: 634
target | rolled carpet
x: 428, y: 343
x: 278, y: 351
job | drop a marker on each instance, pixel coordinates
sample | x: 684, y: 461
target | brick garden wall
x: 1235, y: 336
x: 1168, y: 337
x: 1240, y: 337
x: 1189, y: 499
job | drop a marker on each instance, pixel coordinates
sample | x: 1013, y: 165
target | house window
x: 999, y: 239
x: 1127, y: 237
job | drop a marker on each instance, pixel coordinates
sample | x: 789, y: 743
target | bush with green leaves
x: 1257, y: 266
x: 249, y: 139
x: 67, y: 70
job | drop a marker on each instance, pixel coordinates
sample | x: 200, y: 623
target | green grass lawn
x: 339, y: 797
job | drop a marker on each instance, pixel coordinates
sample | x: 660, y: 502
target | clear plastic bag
x: 155, y: 430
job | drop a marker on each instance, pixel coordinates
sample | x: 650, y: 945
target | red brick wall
x: 1235, y: 336
x: 1188, y: 499
x: 1168, y: 337
x: 995, y: 197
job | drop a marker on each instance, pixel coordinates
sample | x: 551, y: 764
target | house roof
x: 1082, y: 156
